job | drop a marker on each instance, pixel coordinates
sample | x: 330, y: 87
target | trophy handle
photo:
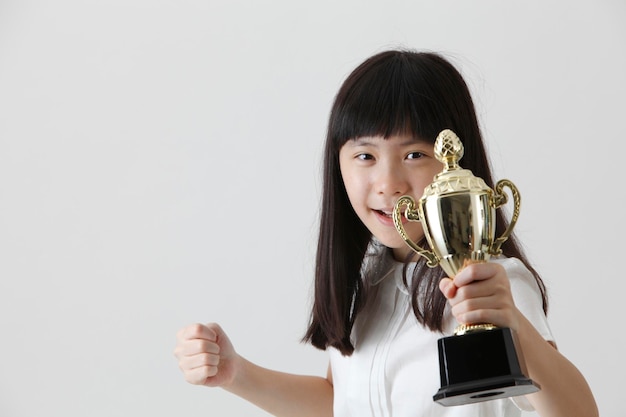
x: 499, y: 199
x: 412, y: 214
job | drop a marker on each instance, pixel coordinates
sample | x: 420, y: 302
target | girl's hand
x: 206, y: 356
x: 481, y: 293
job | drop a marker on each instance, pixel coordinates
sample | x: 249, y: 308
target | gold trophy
x: 458, y: 215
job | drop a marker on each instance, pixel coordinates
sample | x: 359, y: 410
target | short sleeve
x: 527, y: 295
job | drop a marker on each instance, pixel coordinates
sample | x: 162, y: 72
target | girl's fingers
x: 196, y: 339
x: 447, y: 287
x: 477, y: 272
x: 195, y: 347
x: 201, y: 360
x: 205, y: 355
x: 199, y: 376
x: 197, y: 331
x: 480, y: 293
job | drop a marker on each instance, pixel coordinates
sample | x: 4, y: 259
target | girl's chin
x: 399, y: 247
x: 396, y: 244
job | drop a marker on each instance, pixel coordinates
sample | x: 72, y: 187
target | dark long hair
x: 393, y: 92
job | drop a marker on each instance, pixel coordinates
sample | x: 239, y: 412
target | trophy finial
x: 448, y: 149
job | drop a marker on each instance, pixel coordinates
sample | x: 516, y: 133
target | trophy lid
x: 449, y: 150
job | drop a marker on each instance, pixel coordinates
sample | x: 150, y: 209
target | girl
x: 378, y: 308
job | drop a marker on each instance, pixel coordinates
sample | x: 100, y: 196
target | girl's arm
x: 564, y: 390
x: 282, y: 394
x: 481, y: 293
x: 207, y: 357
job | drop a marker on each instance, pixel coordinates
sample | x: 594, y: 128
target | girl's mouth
x: 387, y: 216
x: 385, y: 213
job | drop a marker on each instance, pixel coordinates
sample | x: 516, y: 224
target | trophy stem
x: 462, y: 329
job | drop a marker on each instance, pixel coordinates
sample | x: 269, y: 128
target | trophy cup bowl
x: 458, y: 214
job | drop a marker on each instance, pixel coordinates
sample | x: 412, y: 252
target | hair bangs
x: 391, y: 98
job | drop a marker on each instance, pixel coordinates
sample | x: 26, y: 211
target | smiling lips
x: 386, y: 216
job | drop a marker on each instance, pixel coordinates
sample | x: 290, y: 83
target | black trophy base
x: 481, y: 366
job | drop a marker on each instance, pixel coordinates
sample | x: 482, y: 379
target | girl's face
x: 376, y: 172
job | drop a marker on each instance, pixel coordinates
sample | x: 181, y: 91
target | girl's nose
x: 392, y: 182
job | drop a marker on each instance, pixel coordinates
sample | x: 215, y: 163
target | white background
x: 160, y: 165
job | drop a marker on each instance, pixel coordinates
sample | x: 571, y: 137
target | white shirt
x: 394, y: 370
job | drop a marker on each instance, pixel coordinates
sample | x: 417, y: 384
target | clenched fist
x: 206, y: 356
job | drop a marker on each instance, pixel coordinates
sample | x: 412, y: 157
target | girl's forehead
x: 395, y: 139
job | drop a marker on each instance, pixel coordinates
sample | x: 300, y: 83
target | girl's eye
x: 364, y: 157
x: 415, y: 155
